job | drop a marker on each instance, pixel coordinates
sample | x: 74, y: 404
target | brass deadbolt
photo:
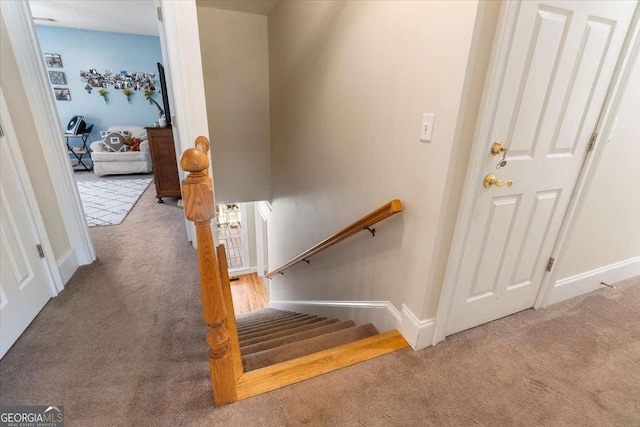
x: 498, y: 148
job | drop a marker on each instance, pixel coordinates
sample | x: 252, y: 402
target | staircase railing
x: 225, y: 366
x: 364, y: 223
x: 234, y: 340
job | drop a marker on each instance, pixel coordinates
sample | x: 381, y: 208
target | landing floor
x: 249, y: 293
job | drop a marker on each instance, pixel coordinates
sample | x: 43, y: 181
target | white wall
x: 349, y: 83
x: 473, y: 91
x: 117, y: 51
x: 608, y: 228
x: 236, y: 76
x: 23, y: 122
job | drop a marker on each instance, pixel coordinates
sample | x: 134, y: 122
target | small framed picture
x: 53, y: 60
x: 57, y: 78
x: 62, y: 93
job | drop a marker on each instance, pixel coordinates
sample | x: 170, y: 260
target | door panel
x: 560, y: 60
x: 530, y: 251
x: 501, y: 212
x: 24, y: 284
x: 583, y: 82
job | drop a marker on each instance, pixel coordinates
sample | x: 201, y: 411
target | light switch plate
x: 426, y: 130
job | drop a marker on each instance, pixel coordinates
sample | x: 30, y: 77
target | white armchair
x: 109, y: 163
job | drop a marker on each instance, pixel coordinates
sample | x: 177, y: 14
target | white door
x: 560, y: 60
x: 24, y: 283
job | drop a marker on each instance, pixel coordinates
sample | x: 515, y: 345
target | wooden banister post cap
x: 202, y: 143
x: 194, y: 160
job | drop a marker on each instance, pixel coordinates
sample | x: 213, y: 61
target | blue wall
x: 83, y: 50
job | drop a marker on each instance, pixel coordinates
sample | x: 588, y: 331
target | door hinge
x: 592, y: 141
x: 40, y: 251
x: 159, y: 11
x: 550, y: 263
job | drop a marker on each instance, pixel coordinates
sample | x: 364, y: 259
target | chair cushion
x: 130, y: 156
x: 114, y: 141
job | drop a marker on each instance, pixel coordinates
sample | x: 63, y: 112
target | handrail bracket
x: 371, y: 230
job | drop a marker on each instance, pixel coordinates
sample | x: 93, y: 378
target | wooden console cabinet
x: 165, y: 166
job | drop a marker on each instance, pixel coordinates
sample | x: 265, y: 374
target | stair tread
x: 287, y: 339
x: 279, y: 328
x: 264, y: 329
x: 270, y: 322
x: 261, y: 312
x: 263, y: 318
x: 273, y: 323
x: 303, y: 368
x: 250, y: 341
x: 308, y: 346
x: 248, y: 317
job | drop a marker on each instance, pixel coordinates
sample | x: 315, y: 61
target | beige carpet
x: 124, y: 345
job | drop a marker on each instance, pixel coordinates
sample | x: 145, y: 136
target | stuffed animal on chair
x: 133, y: 143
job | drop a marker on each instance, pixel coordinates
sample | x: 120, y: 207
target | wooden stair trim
x: 303, y: 368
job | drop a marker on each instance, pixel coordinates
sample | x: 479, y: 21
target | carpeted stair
x: 272, y: 336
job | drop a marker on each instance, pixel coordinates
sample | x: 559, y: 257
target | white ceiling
x: 120, y: 16
x: 258, y: 7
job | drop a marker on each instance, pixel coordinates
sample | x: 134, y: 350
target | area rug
x: 108, y: 202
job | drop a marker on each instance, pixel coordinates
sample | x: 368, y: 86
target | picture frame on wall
x: 57, y: 78
x: 53, y: 60
x: 62, y: 93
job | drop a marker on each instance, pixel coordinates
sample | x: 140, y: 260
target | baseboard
x: 418, y: 333
x: 384, y: 316
x: 589, y: 281
x: 240, y: 271
x: 67, y: 264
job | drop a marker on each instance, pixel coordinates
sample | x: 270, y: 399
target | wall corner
x: 418, y: 333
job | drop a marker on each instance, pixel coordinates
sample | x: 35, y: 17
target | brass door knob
x: 491, y: 181
x: 498, y: 148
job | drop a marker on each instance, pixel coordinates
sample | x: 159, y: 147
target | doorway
x: 180, y: 38
x: 236, y: 230
x: 105, y: 100
x: 555, y: 68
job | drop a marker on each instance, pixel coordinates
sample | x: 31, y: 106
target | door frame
x: 474, y: 177
x: 246, y: 261
x: 54, y: 278
x: 262, y: 239
x: 26, y: 47
x: 181, y: 39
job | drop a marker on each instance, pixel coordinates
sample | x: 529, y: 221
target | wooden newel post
x: 199, y: 207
